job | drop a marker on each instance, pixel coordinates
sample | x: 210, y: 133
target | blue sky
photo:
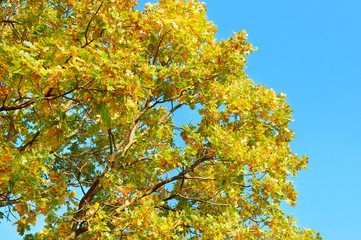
x: 311, y: 51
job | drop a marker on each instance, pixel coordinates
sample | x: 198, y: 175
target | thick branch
x: 97, y: 185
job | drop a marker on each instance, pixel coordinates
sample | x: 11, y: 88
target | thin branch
x: 110, y: 140
x: 203, y: 201
x: 172, y: 99
x: 164, y: 182
x: 101, y: 33
x: 214, y: 179
x: 167, y: 208
x: 32, y: 101
x: 124, y: 165
x: 21, y: 106
x: 10, y: 21
x: 13, y: 27
x: 3, y: 105
x: 88, y: 26
x: 158, y: 46
x: 28, y: 144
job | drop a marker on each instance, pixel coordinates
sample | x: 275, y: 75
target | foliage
x: 88, y: 94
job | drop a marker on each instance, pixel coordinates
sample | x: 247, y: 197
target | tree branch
x: 88, y: 26
x: 203, y: 201
x: 28, y: 144
x: 164, y: 182
x: 158, y: 46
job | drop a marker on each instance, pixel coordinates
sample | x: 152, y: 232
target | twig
x: 88, y: 26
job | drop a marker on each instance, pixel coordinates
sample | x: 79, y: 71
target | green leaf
x: 29, y: 44
x: 103, y: 110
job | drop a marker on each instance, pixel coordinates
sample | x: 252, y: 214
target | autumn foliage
x: 89, y: 91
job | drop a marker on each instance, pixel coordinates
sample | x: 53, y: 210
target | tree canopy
x: 89, y: 91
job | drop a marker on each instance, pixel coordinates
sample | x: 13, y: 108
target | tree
x: 88, y: 94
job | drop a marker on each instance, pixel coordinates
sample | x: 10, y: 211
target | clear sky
x: 311, y: 51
